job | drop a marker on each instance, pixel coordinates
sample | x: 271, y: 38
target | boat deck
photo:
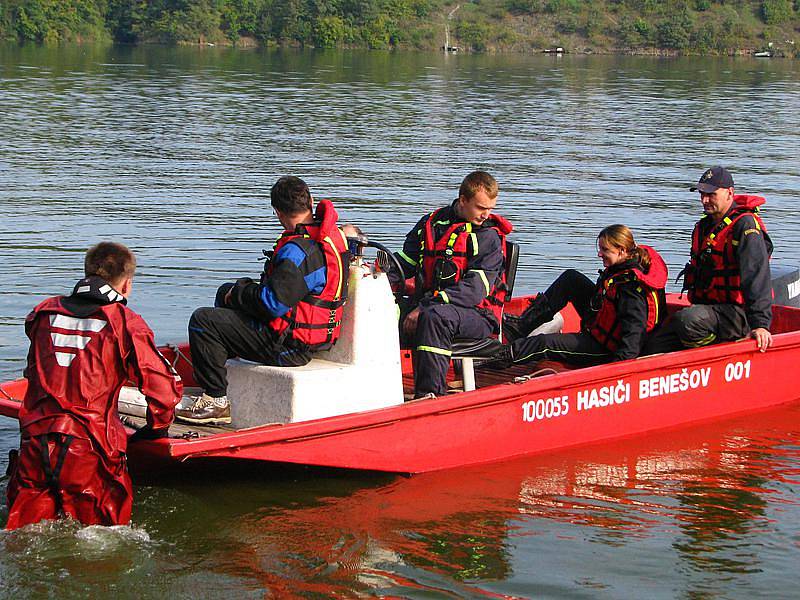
x: 178, y: 429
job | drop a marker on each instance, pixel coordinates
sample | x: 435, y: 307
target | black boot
x: 538, y: 313
x: 502, y: 358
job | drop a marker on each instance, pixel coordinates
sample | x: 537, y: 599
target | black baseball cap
x: 713, y: 179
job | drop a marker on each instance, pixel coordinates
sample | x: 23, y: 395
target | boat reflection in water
x: 679, y: 509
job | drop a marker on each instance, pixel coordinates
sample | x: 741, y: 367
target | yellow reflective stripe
x: 405, y: 257
x: 443, y: 296
x: 735, y: 242
x: 341, y: 267
x: 474, y: 237
x: 704, y: 342
x: 434, y: 350
x: 655, y: 303
x: 483, y: 278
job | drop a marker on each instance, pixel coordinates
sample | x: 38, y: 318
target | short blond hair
x: 477, y: 181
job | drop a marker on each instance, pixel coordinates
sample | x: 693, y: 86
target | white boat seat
x: 361, y: 372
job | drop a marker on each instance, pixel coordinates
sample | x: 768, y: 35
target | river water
x: 173, y: 151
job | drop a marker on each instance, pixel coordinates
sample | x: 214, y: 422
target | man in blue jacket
x: 294, y: 310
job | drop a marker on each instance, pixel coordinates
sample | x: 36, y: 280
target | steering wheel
x: 389, y: 263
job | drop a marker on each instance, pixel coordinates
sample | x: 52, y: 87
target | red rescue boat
x: 511, y: 413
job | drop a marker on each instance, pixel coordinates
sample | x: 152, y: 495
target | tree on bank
x: 642, y: 26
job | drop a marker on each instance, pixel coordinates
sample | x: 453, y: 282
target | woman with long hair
x: 625, y: 303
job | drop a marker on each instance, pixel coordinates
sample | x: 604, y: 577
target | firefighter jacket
x: 458, y: 263
x: 629, y: 301
x: 729, y: 262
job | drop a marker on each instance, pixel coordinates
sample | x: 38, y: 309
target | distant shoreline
x: 768, y: 28
x: 586, y: 51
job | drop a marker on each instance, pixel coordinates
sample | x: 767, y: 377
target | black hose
x: 402, y: 290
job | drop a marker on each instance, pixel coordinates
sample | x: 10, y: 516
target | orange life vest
x: 712, y: 275
x: 606, y: 327
x: 444, y: 259
x: 317, y: 319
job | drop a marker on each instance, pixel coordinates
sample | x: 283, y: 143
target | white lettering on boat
x: 619, y: 392
x: 674, y: 382
x: 794, y: 289
x: 606, y: 395
x: 734, y: 371
x: 533, y: 410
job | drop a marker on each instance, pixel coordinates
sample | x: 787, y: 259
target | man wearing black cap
x: 727, y: 276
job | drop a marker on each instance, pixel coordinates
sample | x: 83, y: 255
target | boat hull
x: 498, y: 422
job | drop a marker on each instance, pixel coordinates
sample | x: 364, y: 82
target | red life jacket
x: 444, y: 260
x: 712, y: 275
x: 317, y: 319
x: 606, y: 327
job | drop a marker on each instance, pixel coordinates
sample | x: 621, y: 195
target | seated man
x: 294, y: 310
x: 457, y: 254
x: 727, y: 277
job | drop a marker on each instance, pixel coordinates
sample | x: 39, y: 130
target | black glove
x: 219, y: 300
x: 148, y: 433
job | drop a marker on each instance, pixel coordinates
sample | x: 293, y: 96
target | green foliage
x: 328, y: 32
x: 560, y: 6
x: 53, y: 21
x: 637, y: 33
x: 474, y: 35
x: 675, y: 32
x: 707, y: 26
x: 775, y: 12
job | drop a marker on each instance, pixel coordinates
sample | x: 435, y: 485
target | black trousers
x: 699, y: 325
x: 571, y: 286
x: 217, y: 334
x: 438, y: 326
x: 574, y: 348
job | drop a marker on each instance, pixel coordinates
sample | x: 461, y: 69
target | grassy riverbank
x: 603, y: 26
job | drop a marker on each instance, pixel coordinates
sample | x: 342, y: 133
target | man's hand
x: 148, y: 433
x: 223, y: 295
x: 762, y: 337
x: 410, y: 324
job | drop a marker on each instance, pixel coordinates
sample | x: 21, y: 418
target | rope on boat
x: 539, y: 373
x: 178, y: 355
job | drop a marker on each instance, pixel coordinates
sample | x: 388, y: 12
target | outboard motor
x: 785, y: 285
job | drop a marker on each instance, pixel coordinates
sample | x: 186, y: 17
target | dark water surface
x: 172, y: 151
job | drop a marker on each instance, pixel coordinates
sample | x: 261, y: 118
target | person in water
x: 626, y: 303
x: 457, y: 254
x: 84, y: 347
x: 727, y: 277
x: 294, y: 310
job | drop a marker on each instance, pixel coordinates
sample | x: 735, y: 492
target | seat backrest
x: 512, y: 259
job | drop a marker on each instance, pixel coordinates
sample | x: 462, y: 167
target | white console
x: 361, y: 372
